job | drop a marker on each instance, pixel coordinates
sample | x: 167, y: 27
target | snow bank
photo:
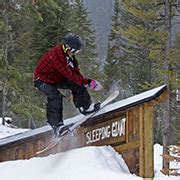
x: 79, y: 164
x: 6, y: 130
x: 99, y: 163
x: 158, y: 151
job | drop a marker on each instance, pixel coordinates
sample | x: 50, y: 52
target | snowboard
x: 72, y: 127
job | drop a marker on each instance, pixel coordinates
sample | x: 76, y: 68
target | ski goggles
x: 74, y: 51
x: 68, y: 48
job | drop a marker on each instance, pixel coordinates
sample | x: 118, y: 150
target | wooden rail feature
x: 126, y: 125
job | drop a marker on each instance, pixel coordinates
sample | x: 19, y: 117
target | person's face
x: 73, y: 51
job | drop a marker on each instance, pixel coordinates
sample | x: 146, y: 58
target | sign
x: 111, y: 129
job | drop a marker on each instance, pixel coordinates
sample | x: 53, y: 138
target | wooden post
x: 146, y: 153
x: 1, y: 100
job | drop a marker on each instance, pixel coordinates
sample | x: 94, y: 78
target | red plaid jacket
x: 54, y: 65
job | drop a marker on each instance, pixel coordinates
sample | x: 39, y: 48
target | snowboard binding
x: 60, y: 130
x: 93, y: 108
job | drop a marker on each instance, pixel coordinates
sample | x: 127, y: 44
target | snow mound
x: 99, y: 163
x: 78, y: 164
x: 8, y: 131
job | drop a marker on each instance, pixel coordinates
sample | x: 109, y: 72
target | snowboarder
x: 58, y: 69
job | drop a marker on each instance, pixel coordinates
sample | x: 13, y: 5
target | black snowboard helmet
x: 73, y: 41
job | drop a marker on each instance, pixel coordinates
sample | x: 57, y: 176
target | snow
x: 84, y: 163
x: 6, y: 130
x: 158, y: 149
x: 78, y: 164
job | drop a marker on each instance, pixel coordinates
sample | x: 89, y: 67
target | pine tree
x: 9, y: 75
x: 17, y: 25
x: 128, y: 51
x: 87, y: 58
x: 51, y: 21
x: 43, y: 27
x: 51, y: 27
x: 116, y: 67
x: 149, y: 50
x: 79, y: 24
x: 28, y: 29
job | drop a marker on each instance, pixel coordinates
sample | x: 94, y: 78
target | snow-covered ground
x: 6, y: 130
x: 79, y: 164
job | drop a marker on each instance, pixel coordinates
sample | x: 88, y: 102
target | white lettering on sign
x: 115, y: 129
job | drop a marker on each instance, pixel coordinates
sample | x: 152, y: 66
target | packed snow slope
x: 99, y: 163
x: 79, y: 164
x: 6, y: 130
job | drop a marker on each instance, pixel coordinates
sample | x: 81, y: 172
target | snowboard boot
x: 60, y: 130
x: 92, y: 108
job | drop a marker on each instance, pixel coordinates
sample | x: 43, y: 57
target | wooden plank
x: 127, y: 129
x: 130, y: 154
x: 146, y: 160
x: 125, y: 147
x: 133, y: 124
x: 160, y: 98
x: 131, y: 157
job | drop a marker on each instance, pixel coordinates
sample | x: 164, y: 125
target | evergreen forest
x: 143, y: 53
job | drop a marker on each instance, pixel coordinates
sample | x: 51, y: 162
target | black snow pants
x: 54, y: 109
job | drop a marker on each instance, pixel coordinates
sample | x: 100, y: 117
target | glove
x: 95, y: 85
